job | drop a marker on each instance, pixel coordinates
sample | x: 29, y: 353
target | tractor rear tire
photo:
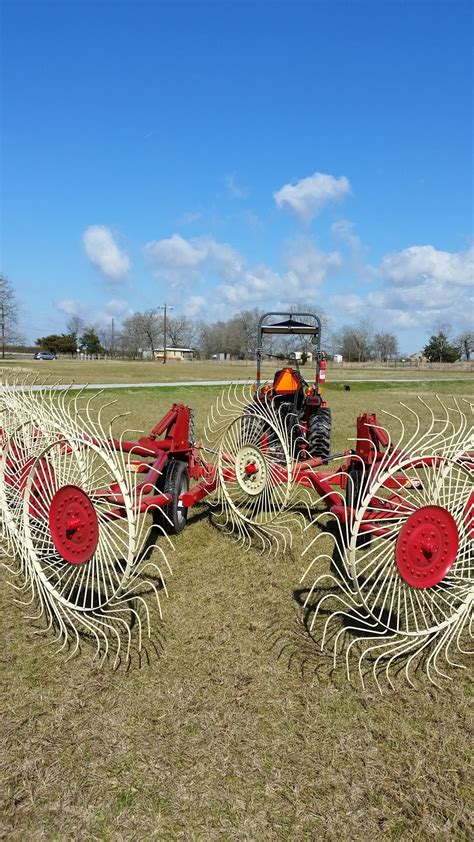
x: 175, y: 481
x: 319, y: 433
x: 256, y: 430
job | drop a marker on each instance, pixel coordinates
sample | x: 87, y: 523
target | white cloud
x: 202, y: 261
x: 349, y: 304
x: 414, y: 286
x: 343, y: 229
x: 307, y: 197
x: 421, y: 284
x: 91, y: 314
x: 195, y: 305
x: 70, y: 306
x: 188, y: 217
x: 175, y: 253
x: 177, y: 260
x: 307, y: 267
x: 104, y: 253
x: 236, y: 191
x: 419, y: 263
x: 119, y: 308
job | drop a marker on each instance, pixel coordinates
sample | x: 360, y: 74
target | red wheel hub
x: 73, y: 524
x: 427, y: 546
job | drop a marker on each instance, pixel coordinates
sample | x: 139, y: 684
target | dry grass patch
x: 120, y: 371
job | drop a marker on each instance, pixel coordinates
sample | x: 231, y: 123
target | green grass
x: 233, y: 726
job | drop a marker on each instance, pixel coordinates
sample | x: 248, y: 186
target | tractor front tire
x: 319, y: 433
x: 175, y: 481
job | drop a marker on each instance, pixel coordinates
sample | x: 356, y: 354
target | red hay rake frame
x: 170, y: 440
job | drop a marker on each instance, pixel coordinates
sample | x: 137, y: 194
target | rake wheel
x: 414, y: 578
x: 87, y: 550
x: 78, y: 550
x: 81, y: 539
x: 254, y: 467
x: 399, y: 593
x: 252, y: 447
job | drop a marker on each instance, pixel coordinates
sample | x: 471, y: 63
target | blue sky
x: 227, y: 155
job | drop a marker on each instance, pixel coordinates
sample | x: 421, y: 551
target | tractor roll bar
x: 293, y: 327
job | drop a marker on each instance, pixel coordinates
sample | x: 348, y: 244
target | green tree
x: 64, y: 343
x: 89, y: 343
x: 440, y: 350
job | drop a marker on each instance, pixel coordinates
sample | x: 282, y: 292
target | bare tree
x: 308, y: 307
x: 181, y: 332
x: 152, y: 329
x: 107, y: 337
x: 242, y: 330
x: 385, y: 346
x: 356, y: 341
x: 139, y: 331
x: 220, y: 338
x: 9, y: 333
x: 302, y: 343
x: 440, y: 326
x: 130, y: 339
x: 465, y: 341
x: 75, y: 326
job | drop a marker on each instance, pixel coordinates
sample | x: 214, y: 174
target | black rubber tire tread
x: 319, y: 433
x: 255, y: 426
x: 356, y: 481
x: 174, y: 477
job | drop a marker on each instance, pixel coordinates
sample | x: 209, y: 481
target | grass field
x: 110, y: 371
x: 233, y: 726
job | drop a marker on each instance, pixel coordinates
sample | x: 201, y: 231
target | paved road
x: 238, y: 382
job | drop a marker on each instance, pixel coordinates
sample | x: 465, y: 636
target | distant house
x: 299, y: 354
x: 178, y: 354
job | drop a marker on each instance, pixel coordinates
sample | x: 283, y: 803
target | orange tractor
x: 299, y: 402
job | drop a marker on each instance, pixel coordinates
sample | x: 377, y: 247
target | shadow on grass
x: 96, y: 628
x: 315, y: 642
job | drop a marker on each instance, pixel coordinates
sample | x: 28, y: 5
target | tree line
x: 143, y: 332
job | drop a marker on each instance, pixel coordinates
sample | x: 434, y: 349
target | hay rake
x: 86, y: 514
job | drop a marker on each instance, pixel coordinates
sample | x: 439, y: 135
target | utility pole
x: 112, y: 340
x: 165, y: 308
